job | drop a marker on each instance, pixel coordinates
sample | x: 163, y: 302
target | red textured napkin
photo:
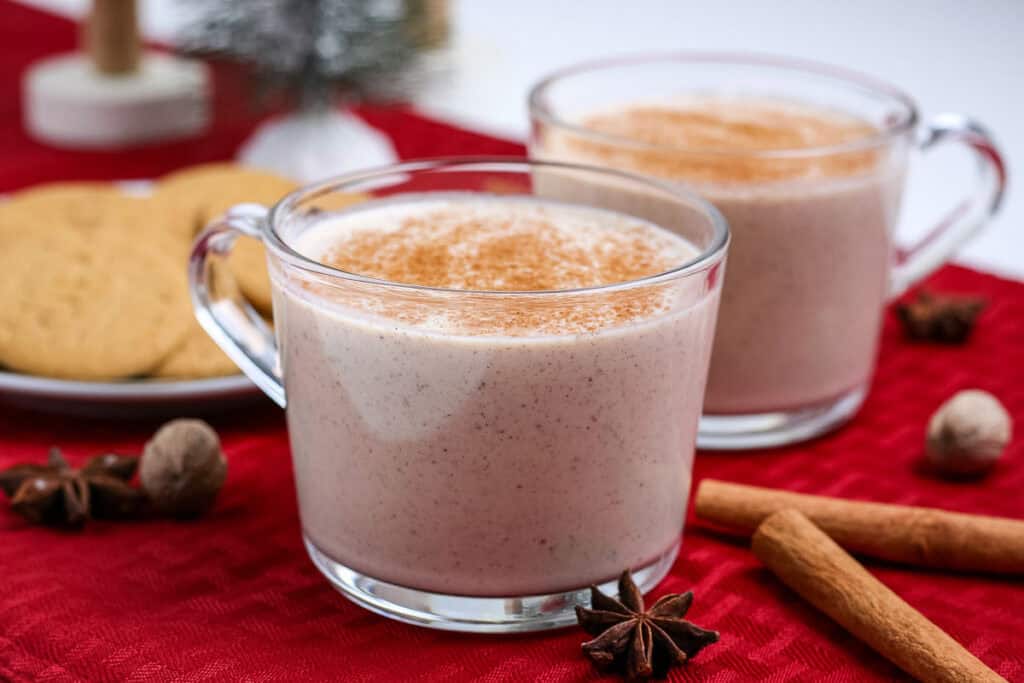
x: 233, y: 597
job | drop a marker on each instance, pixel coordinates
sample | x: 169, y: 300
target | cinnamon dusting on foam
x: 682, y: 135
x: 498, y: 246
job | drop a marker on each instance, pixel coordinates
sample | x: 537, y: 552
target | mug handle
x: 227, y: 317
x: 969, y: 216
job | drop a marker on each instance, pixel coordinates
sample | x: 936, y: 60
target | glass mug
x: 473, y: 460
x: 812, y: 263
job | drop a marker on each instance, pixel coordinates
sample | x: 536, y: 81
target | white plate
x: 132, y: 398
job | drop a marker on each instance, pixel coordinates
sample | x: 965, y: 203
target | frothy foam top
x: 688, y: 137
x: 497, y: 245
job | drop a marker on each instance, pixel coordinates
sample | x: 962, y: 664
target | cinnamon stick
x: 810, y: 563
x: 899, y: 533
x: 110, y: 36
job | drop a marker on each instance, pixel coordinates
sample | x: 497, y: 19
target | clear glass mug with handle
x: 473, y: 460
x: 813, y: 262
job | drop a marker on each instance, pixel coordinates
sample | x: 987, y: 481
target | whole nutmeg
x: 182, y: 468
x: 968, y: 433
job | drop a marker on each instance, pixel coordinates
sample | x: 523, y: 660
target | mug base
x: 515, y: 614
x: 767, y: 430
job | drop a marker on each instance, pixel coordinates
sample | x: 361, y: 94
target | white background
x: 949, y: 54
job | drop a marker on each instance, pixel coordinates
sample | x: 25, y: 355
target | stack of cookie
x: 94, y: 279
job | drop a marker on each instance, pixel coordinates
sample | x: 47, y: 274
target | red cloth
x: 233, y: 597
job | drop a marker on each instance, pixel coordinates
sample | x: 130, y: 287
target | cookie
x: 88, y: 305
x: 149, y: 220
x: 45, y: 207
x: 84, y: 203
x: 198, y: 356
x: 248, y: 263
x: 90, y: 209
x: 209, y: 191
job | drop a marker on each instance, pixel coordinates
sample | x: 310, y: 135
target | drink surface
x: 732, y: 124
x: 494, y: 245
x: 729, y: 140
x: 498, y: 245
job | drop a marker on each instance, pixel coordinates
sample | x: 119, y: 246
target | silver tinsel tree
x: 321, y: 52
x: 316, y: 49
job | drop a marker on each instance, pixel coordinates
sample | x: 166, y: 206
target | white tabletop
x: 951, y: 55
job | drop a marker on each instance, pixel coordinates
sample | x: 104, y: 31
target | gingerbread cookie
x: 199, y: 356
x: 207, y: 191
x: 90, y: 209
x: 83, y: 203
x: 210, y: 191
x: 94, y: 306
x: 44, y: 208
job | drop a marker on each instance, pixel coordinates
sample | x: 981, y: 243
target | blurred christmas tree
x: 321, y: 53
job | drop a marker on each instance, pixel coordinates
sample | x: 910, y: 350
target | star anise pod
x: 636, y: 642
x: 58, y: 494
x: 940, y: 319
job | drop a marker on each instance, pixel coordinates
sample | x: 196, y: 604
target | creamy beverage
x: 810, y: 258
x: 492, y: 444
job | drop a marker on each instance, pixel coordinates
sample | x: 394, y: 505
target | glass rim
x: 540, y: 109
x: 706, y: 257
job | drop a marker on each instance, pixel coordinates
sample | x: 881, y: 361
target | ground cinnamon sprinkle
x: 459, y: 249
x: 489, y: 246
x: 731, y: 127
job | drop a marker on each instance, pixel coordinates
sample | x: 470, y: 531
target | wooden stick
x: 436, y: 23
x: 110, y: 35
x: 810, y: 563
x: 899, y: 533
